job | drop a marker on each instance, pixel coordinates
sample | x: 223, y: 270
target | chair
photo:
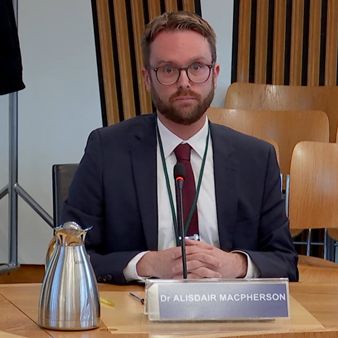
x: 230, y: 118
x: 313, y: 196
x: 279, y: 97
x: 334, y: 232
x: 286, y: 128
x: 62, y: 176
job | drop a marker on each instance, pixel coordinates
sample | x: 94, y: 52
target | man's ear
x: 146, y: 78
x: 216, y: 71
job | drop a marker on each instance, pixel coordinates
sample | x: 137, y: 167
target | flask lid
x: 70, y: 233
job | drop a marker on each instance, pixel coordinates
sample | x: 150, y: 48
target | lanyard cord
x: 194, y: 204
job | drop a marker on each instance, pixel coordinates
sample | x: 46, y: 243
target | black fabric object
x: 10, y: 56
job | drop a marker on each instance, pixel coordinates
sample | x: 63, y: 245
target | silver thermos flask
x: 69, y: 298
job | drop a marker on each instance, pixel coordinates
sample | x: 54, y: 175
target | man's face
x: 183, y: 102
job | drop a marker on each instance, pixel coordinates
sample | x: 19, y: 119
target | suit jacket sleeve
x: 250, y: 208
x: 276, y: 256
x: 88, y: 204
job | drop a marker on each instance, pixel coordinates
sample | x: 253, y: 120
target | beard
x: 183, y: 116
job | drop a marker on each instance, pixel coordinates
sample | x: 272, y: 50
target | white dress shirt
x: 206, y: 203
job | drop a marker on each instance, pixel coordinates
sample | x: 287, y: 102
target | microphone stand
x: 180, y: 222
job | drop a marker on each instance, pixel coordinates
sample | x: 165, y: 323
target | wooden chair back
x: 313, y: 196
x: 223, y: 116
x: 279, y: 97
x: 334, y: 232
x: 286, y: 128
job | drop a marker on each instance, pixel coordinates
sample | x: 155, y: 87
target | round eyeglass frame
x: 180, y: 69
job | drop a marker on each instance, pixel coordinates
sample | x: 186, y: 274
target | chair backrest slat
x: 313, y: 198
x: 286, y: 128
x: 279, y: 97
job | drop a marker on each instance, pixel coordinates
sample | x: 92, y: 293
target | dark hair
x: 177, y: 21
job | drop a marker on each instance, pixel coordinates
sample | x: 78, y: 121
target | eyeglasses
x: 196, y: 72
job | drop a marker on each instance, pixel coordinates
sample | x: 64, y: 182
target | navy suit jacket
x: 115, y: 191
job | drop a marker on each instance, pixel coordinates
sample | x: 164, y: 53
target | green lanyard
x: 194, y: 204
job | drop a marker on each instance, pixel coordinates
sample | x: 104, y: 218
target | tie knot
x: 182, y: 152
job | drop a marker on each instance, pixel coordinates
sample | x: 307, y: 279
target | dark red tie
x: 182, y: 152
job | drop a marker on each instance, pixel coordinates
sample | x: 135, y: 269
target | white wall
x: 57, y: 110
x: 61, y: 105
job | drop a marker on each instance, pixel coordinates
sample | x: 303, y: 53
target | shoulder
x: 136, y: 126
x: 253, y: 157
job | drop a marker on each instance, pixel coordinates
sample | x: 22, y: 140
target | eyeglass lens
x: 196, y: 72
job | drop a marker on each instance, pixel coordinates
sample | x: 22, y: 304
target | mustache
x: 184, y: 92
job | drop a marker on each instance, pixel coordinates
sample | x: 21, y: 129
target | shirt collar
x: 170, y: 141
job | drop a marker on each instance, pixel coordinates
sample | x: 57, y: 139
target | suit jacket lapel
x: 143, y: 156
x: 225, y: 173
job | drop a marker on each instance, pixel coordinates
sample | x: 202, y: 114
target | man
x: 124, y: 185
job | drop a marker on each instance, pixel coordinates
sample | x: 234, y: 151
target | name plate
x: 216, y: 299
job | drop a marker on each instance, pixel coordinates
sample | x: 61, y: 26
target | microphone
x: 179, y: 174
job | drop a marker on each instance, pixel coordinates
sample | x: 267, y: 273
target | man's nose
x: 183, y: 80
